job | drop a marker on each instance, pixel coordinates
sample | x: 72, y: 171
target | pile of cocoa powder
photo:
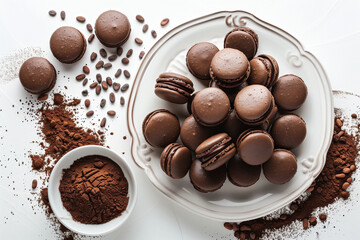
x: 330, y: 185
x: 94, y: 190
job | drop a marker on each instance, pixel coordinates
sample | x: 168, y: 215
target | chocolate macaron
x: 229, y: 68
x: 192, y: 134
x: 281, y: 167
x: 290, y: 92
x: 264, y: 71
x: 241, y: 174
x: 215, y: 151
x: 206, y: 181
x: 160, y: 128
x: 255, y: 146
x: 288, y: 131
x: 243, y: 39
x: 254, y: 104
x: 112, y: 28
x: 174, y: 87
x: 67, y: 44
x: 37, y: 75
x: 175, y: 160
x: 198, y: 59
x: 210, y: 107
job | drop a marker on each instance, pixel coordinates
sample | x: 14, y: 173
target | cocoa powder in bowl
x: 94, y: 190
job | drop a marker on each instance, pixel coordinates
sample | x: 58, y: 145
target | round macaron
x: 215, y: 151
x: 243, y: 39
x: 112, y: 28
x: 288, y: 131
x: 192, y: 134
x: 198, y: 59
x: 233, y: 126
x: 160, y: 128
x: 264, y: 71
x: 255, y: 146
x: 210, y: 107
x: 206, y: 181
x: 37, y: 75
x: 67, y: 44
x: 281, y: 167
x: 253, y: 104
x: 229, y: 68
x: 175, y: 160
x: 290, y: 92
x: 174, y: 87
x: 241, y: 174
x: 230, y: 92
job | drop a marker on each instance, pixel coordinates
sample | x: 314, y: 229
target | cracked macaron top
x: 174, y: 87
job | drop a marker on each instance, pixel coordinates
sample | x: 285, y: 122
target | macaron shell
x: 37, y: 75
x: 220, y: 159
x: 210, y: 106
x: 255, y: 147
x: 241, y: 174
x: 67, y: 44
x: 179, y: 77
x: 168, y: 150
x: 253, y: 102
x: 281, y: 167
x: 290, y: 92
x: 112, y: 28
x: 259, y: 74
x: 229, y: 64
x: 198, y: 59
x: 206, y: 181
x: 274, y: 68
x: 192, y: 134
x: 211, y: 142
x: 288, y: 131
x: 171, y: 93
x: 243, y: 39
x: 161, y: 128
x: 180, y: 163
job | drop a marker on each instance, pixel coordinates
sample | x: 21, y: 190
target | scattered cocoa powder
x: 94, y: 190
x: 324, y: 191
x: 37, y: 162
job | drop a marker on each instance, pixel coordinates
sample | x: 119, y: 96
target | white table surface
x: 328, y: 28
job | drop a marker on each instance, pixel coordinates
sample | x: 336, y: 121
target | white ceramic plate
x: 55, y: 198
x: 232, y: 203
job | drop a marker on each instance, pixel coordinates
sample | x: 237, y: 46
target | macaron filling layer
x: 230, y: 83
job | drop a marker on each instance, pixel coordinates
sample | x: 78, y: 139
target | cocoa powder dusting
x: 324, y: 191
x: 94, y: 190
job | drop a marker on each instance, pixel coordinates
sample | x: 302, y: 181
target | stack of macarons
x: 68, y: 45
x: 236, y: 127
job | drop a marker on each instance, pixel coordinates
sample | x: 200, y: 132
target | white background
x: 329, y: 29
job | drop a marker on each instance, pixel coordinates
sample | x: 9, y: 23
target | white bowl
x: 55, y: 199
x: 232, y: 203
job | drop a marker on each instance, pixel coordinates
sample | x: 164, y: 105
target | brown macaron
x: 241, y: 174
x: 264, y: 71
x: 229, y: 68
x: 255, y: 146
x: 288, y: 131
x: 210, y: 107
x: 67, y: 44
x: 290, y: 92
x: 37, y: 75
x: 160, y: 128
x: 112, y: 28
x: 253, y: 104
x: 233, y: 126
x: 243, y: 39
x: 215, y: 151
x: 206, y: 181
x: 198, y: 59
x: 175, y: 160
x: 281, y: 167
x: 192, y: 134
x: 174, y: 87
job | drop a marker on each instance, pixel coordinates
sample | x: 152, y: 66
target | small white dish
x: 231, y: 203
x: 55, y: 199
